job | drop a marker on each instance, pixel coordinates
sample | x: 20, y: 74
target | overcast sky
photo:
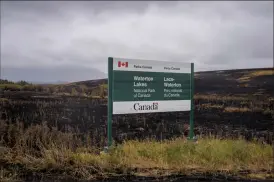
x: 70, y: 40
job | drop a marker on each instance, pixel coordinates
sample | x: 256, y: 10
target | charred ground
x: 228, y: 103
x: 72, y: 119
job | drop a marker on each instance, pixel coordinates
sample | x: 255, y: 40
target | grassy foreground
x: 40, y: 149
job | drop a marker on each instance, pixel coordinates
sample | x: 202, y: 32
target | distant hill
x: 49, y: 83
x: 91, y: 83
x: 237, y: 82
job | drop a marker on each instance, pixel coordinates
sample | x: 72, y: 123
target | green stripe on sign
x: 149, y: 86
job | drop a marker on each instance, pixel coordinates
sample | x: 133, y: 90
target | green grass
x: 41, y: 149
x: 10, y: 86
x: 18, y: 87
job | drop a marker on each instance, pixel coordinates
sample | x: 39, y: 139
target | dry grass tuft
x: 253, y: 74
x: 40, y: 148
x: 262, y: 73
x: 237, y: 109
x: 220, y: 97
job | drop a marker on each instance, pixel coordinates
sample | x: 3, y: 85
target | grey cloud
x: 257, y: 8
x: 215, y: 35
x: 58, y: 73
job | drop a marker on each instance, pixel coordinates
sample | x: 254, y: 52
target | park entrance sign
x: 144, y: 86
x: 141, y: 86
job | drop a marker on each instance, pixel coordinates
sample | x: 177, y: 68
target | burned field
x: 228, y: 104
x: 54, y: 131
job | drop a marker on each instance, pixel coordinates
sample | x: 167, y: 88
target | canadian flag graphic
x: 122, y: 64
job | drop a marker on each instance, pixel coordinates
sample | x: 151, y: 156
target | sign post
x: 110, y: 101
x: 144, y: 86
x: 191, y: 119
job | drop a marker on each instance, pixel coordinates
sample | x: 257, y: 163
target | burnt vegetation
x: 229, y: 104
